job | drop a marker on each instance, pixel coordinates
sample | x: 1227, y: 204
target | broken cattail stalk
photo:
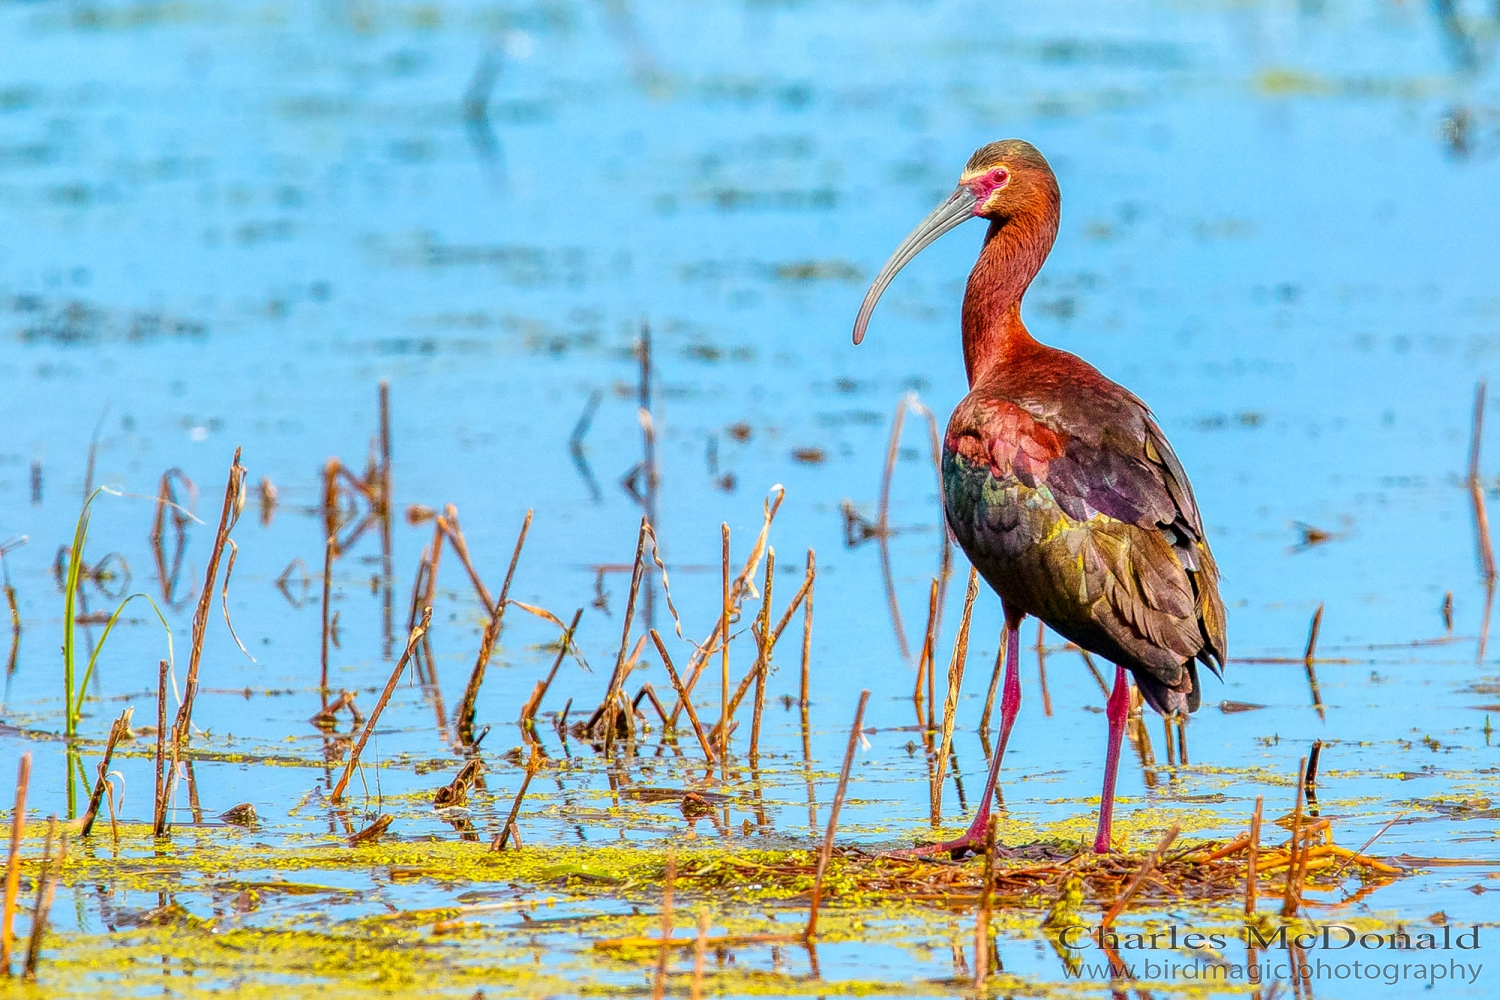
x: 465, y: 716
x: 46, y: 888
x: 1041, y: 669
x: 1252, y: 856
x: 763, y: 657
x: 529, y: 710
x: 610, y: 718
x: 159, y: 803
x: 234, y: 503
x: 1290, y: 899
x: 390, y: 686
x: 373, y: 832
x: 659, y: 982
x: 329, y: 550
x: 950, y: 702
x: 648, y: 693
x: 925, y: 661
x: 1310, y: 780
x: 1144, y: 873
x: 683, y: 698
x: 448, y: 523
x: 1366, y: 845
x: 1476, y: 489
x: 807, y: 618
x: 699, y: 661
x: 700, y: 951
x: 117, y: 731
x: 833, y: 816
x: 508, y: 832
x: 724, y: 716
x: 989, y: 698
x: 982, y: 930
x: 13, y: 863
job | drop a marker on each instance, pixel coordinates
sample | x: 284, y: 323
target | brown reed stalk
x: 798, y: 597
x: 373, y: 832
x: 465, y: 715
x: 1041, y: 669
x: 1310, y: 780
x: 1123, y: 900
x: 833, y: 817
x: 986, y: 896
x: 329, y: 549
x: 13, y: 864
x: 1476, y: 488
x: 929, y: 654
x: 608, y: 716
x: 950, y: 702
x: 1252, y: 856
x: 659, y: 982
x: 989, y: 698
x: 700, y: 951
x: 234, y: 503
x: 682, y: 694
x: 46, y: 888
x: 159, y: 803
x: 724, y: 662
x: 390, y: 686
x: 509, y: 832
x: 648, y: 693
x: 763, y: 659
x: 807, y: 619
x: 704, y: 651
x: 528, y: 711
x: 455, y: 533
x: 1289, y: 899
x: 116, y: 731
x: 1366, y: 845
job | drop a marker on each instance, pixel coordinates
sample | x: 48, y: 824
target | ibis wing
x: 1148, y: 577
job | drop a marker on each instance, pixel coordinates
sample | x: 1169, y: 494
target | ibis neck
x: 1014, y: 249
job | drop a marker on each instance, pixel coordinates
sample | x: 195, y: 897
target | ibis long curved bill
x: 957, y: 209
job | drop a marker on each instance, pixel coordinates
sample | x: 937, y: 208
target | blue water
x: 223, y: 224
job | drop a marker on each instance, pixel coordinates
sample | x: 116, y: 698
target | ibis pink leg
x: 1010, y: 706
x: 1115, y: 711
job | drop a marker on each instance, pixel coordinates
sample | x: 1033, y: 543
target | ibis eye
x: 999, y: 176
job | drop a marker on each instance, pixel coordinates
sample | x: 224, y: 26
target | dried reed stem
x: 982, y: 928
x: 950, y: 702
x: 659, y: 982
x: 390, y: 686
x: 724, y: 661
x: 528, y: 711
x: 833, y: 817
x: 1310, y: 780
x: 46, y: 887
x: 492, y: 628
x: 704, y: 651
x: 116, y: 731
x: 1145, y: 871
x: 700, y: 951
x: 807, y: 620
x: 1252, y: 856
x: 508, y: 832
x: 763, y: 659
x: 1041, y: 669
x: 329, y: 549
x: 234, y: 502
x: 450, y: 527
x: 682, y: 694
x: 1290, y: 898
x: 1476, y: 488
x: 159, y: 803
x: 929, y: 654
x: 13, y: 864
x: 989, y: 698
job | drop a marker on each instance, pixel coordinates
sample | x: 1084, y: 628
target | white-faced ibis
x: 1057, y: 483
